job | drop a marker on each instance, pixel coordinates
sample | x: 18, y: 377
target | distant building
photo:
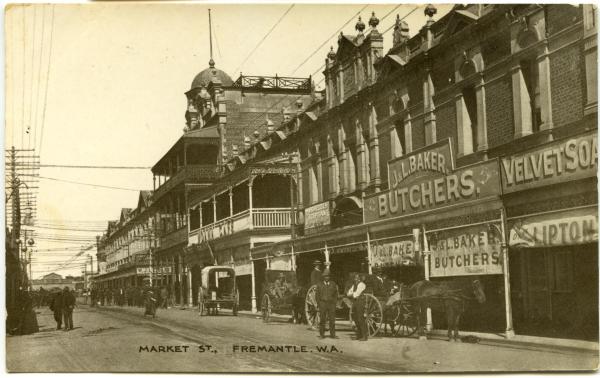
x: 53, y: 280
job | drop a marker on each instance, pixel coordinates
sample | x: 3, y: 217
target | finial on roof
x: 373, y: 21
x: 211, y: 63
x: 331, y: 54
x: 430, y: 10
x: 360, y: 26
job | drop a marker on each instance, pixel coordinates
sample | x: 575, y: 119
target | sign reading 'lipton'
x: 570, y: 159
x: 428, y: 190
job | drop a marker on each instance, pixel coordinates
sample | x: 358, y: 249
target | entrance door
x: 539, y: 306
x: 260, y: 268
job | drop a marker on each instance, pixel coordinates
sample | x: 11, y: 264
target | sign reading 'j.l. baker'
x: 465, y: 251
x: 432, y: 190
x: 436, y: 158
x: 393, y: 253
x: 570, y: 159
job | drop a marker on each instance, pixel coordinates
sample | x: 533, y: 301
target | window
x: 529, y: 68
x: 194, y: 218
x: 471, y: 106
x: 399, y: 139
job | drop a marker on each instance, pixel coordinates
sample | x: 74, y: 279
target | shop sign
x: 571, y: 159
x: 143, y: 270
x: 317, y: 217
x: 435, y: 191
x: 388, y: 253
x: 163, y: 270
x: 435, y: 158
x: 351, y: 248
x: 549, y: 230
x: 474, y: 250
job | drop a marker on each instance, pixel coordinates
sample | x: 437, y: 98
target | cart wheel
x: 374, y: 314
x: 407, y: 321
x: 265, y: 306
x: 311, y: 307
x: 201, y: 305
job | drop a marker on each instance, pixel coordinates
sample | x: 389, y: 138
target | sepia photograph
x: 343, y: 188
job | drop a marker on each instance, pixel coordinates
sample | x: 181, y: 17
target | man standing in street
x: 327, y: 293
x: 358, y: 307
x: 56, y: 305
x: 68, y: 306
x: 316, y: 276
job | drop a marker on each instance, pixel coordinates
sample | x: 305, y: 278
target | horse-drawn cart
x: 383, y: 307
x: 281, y: 293
x: 218, y: 289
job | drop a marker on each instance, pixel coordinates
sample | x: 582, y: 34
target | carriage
x: 281, y: 293
x: 218, y: 288
x: 384, y: 306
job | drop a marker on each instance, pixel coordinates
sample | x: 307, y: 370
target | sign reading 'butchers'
x: 570, y: 159
x: 465, y: 251
x: 431, y: 192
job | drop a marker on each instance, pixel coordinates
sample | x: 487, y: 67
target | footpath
x: 492, y: 339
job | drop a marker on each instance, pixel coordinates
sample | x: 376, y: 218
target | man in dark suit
x: 326, y: 295
x: 56, y: 305
x: 68, y: 306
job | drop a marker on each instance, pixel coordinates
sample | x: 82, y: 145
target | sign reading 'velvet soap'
x: 420, y: 188
x: 569, y: 159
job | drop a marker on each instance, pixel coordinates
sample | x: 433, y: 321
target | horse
x: 445, y: 296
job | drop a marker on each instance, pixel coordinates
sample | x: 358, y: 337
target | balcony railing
x: 188, y: 174
x: 173, y: 238
x: 273, y: 218
x: 274, y: 82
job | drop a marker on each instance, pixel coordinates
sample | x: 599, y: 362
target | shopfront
x: 552, y: 205
x: 442, y: 223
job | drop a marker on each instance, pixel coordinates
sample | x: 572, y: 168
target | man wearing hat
x: 316, y: 276
x: 326, y: 295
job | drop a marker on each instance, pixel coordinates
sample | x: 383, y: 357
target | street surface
x: 120, y: 339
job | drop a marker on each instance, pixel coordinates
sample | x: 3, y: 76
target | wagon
x: 382, y: 308
x: 281, y: 293
x: 218, y: 288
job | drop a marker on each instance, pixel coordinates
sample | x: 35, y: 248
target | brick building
x: 466, y: 151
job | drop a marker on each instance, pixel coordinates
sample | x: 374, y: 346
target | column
x: 190, y: 292
x: 430, y: 124
x: 521, y: 105
x: 230, y: 201
x: 250, y: 202
x: 463, y: 127
x: 408, y: 135
x: 253, y: 298
x: 543, y: 61
x: 482, y: 142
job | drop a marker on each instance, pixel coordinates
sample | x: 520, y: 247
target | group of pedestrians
x: 62, y: 305
x: 130, y: 296
x: 327, y: 296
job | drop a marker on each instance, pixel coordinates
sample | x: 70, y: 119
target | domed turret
x: 210, y: 74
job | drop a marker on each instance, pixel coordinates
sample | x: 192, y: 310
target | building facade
x: 468, y: 150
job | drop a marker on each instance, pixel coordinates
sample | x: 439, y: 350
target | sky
x: 104, y: 83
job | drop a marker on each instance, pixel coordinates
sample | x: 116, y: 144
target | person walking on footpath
x: 56, y: 306
x: 164, y: 294
x: 316, y: 275
x: 327, y: 294
x: 358, y: 307
x: 68, y: 306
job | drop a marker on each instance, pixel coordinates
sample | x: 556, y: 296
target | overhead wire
x: 264, y: 37
x: 322, y: 66
x: 47, y: 81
